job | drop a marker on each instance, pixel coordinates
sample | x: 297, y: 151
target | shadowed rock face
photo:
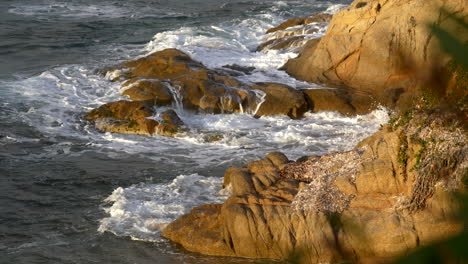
x: 361, y: 205
x: 367, y: 44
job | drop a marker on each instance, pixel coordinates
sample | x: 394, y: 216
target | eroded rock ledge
x: 389, y: 195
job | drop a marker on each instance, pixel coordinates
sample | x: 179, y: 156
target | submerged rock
x: 361, y: 205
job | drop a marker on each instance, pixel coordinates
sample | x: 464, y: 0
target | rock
x: 132, y: 118
x: 293, y: 34
x: 170, y: 124
x: 282, y: 43
x: 123, y: 117
x: 281, y: 99
x: 240, y: 68
x: 164, y: 65
x: 366, y: 46
x: 278, y: 159
x: 329, y: 100
x: 197, y: 87
x: 294, y: 65
x: 123, y: 110
x: 287, y: 24
x: 355, y: 205
x: 199, y: 232
x: 172, y: 76
x: 343, y: 101
x: 321, y: 17
x: 148, y: 90
x: 317, y: 18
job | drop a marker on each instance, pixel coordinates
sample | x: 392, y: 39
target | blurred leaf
x: 452, y: 46
x: 450, y: 43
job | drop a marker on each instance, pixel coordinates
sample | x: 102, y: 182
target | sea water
x: 69, y: 194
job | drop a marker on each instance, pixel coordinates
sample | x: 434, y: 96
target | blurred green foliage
x: 455, y: 249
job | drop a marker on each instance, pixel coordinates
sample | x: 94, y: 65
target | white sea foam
x: 141, y: 211
x: 234, y: 42
x: 316, y: 133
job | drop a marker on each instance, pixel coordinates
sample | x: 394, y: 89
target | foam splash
x: 141, y: 211
x: 316, y: 133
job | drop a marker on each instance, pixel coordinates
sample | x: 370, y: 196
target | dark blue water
x: 56, y: 171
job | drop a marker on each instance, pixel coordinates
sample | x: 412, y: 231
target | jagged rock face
x: 374, y: 202
x: 367, y: 45
x: 132, y: 118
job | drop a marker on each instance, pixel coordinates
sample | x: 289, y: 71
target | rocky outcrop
x: 172, y: 77
x: 134, y: 118
x: 386, y: 197
x: 369, y: 45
